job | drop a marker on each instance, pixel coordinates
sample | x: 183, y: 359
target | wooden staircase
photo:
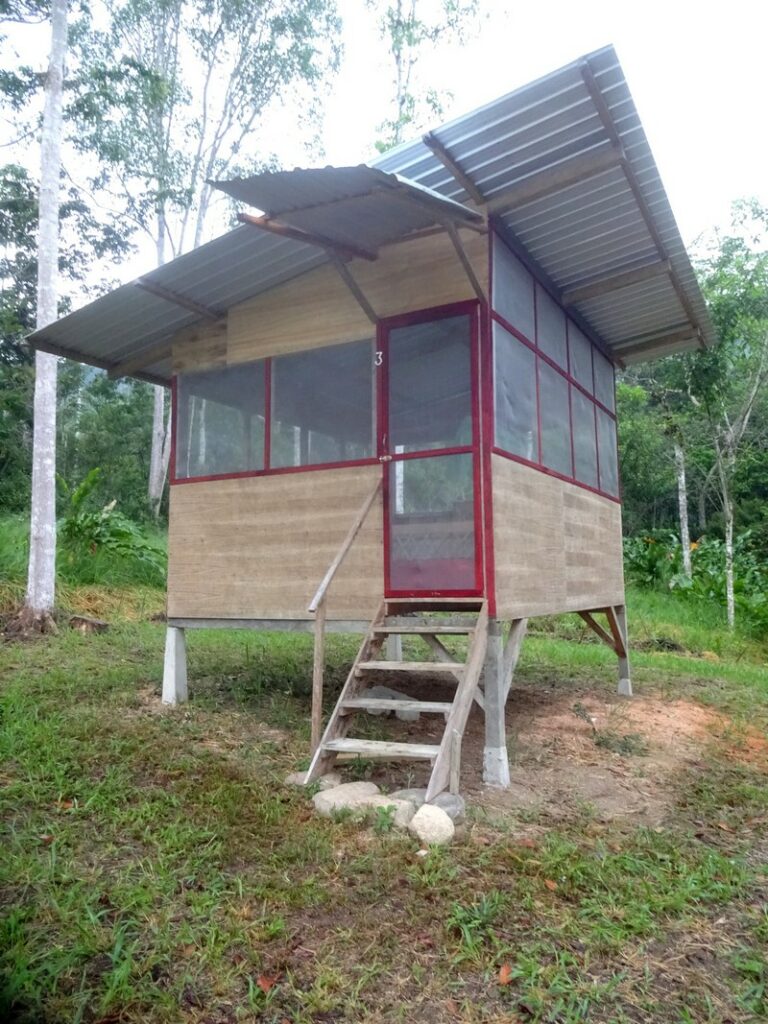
x: 427, y: 618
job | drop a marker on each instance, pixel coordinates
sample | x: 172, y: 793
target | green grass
x: 155, y: 870
x: 76, y: 567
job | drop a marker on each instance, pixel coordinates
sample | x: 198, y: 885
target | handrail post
x: 317, y: 676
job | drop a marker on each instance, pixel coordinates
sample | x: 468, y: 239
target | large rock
x: 416, y: 796
x: 361, y: 798
x: 404, y: 809
x: 347, y: 795
x: 432, y: 826
x: 453, y: 804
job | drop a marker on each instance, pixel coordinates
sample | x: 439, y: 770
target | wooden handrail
x: 341, y: 554
x: 317, y: 607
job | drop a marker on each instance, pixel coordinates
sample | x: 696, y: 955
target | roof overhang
x: 561, y: 168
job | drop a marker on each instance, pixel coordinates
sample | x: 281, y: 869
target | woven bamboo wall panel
x: 318, y: 309
x: 557, y: 546
x: 258, y: 547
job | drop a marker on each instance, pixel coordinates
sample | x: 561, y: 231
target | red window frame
x: 472, y: 309
x: 268, y: 469
x: 565, y: 372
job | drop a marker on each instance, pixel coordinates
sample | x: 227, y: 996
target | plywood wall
x: 557, y: 546
x: 258, y: 547
x: 318, y: 309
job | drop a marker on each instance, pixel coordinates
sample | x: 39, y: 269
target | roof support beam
x: 346, y: 275
x: 344, y: 250
x: 176, y: 299
x: 607, y: 118
x: 41, y: 345
x: 154, y: 354
x: 461, y: 252
x: 431, y: 141
x: 613, y: 282
x: 555, y: 179
x: 644, y: 343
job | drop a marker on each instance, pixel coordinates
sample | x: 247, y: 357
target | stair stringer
x: 338, y: 724
x: 462, y: 705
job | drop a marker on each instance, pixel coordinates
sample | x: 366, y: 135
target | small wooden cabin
x: 393, y: 395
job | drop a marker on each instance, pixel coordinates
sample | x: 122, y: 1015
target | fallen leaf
x: 529, y: 844
x: 505, y: 974
x: 188, y: 950
x: 550, y: 884
x: 66, y: 805
x: 724, y: 827
x: 47, y: 839
x: 267, y: 982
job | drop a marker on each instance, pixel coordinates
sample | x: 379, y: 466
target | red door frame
x: 472, y: 309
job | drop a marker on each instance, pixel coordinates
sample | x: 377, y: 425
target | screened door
x: 428, y: 444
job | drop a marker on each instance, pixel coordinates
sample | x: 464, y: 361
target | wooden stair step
x: 430, y: 629
x: 383, y: 748
x: 411, y: 666
x: 436, y: 707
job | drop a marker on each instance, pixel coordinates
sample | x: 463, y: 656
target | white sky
x: 697, y: 71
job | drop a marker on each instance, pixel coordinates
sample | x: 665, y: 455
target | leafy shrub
x: 100, y: 545
x: 655, y: 561
x: 652, y: 559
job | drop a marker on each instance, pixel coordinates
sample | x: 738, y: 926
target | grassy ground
x: 154, y: 868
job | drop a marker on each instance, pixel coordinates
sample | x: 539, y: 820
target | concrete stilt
x: 175, y: 667
x: 625, y: 676
x: 495, y: 757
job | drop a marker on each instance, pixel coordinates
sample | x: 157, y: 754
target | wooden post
x: 317, y: 677
x: 454, y: 778
x: 175, y: 667
x: 495, y: 757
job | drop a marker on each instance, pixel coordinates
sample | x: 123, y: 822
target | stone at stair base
x: 361, y: 798
x: 453, y: 804
x: 432, y: 826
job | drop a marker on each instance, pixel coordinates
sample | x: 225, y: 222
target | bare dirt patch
x: 581, y: 750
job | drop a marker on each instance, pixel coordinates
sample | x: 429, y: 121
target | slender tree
x: 410, y: 28
x: 41, y: 579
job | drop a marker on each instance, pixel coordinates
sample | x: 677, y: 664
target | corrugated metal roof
x: 358, y: 206
x: 609, y: 222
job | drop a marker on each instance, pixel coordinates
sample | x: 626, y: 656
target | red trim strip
x: 554, y: 473
x: 278, y: 471
x: 486, y: 445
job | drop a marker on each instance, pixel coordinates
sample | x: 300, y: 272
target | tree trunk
x: 160, y: 444
x: 41, y: 578
x: 682, y: 508
x: 157, y: 459
x: 729, y: 597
